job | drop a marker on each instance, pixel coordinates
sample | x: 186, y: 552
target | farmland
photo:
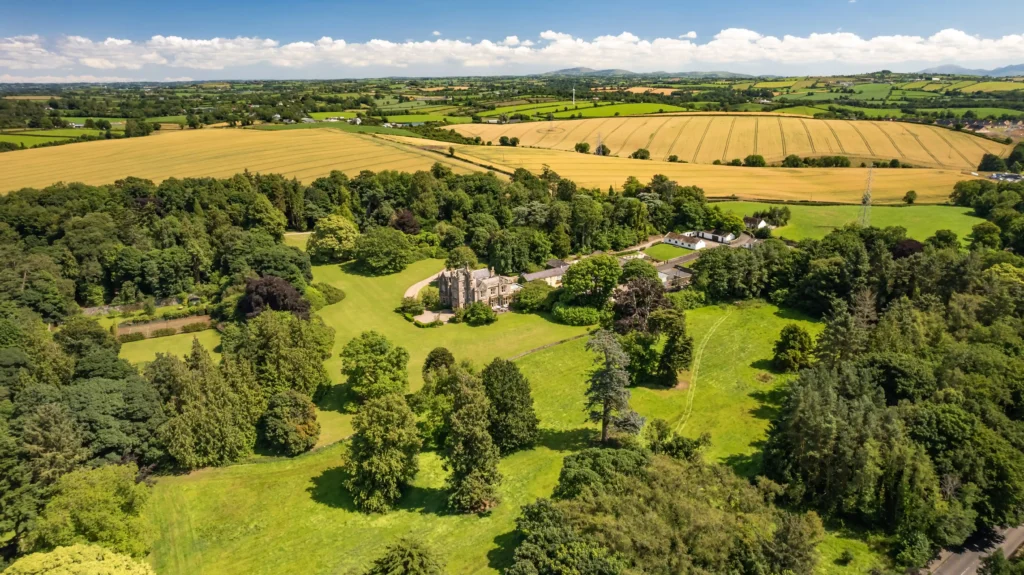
x: 304, y: 154
x: 814, y: 222
x: 428, y: 118
x: 704, y: 139
x: 267, y: 507
x: 619, y: 110
x: 993, y: 87
x: 809, y: 184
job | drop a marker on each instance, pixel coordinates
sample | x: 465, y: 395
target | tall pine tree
x: 607, y: 396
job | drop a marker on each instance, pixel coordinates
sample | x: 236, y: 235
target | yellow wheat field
x: 704, y: 139
x: 303, y: 154
x: 809, y: 184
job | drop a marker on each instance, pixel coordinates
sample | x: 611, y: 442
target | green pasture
x: 994, y: 86
x: 325, y: 115
x: 775, y: 84
x: 872, y: 91
x: 342, y: 126
x: 813, y: 96
x: 815, y: 221
x: 665, y: 252
x: 167, y: 119
x: 529, y: 106
x: 65, y: 132
x: 981, y: 112
x: 29, y: 141
x: 911, y: 95
x: 82, y: 119
x: 429, y: 118
x: 297, y: 239
x: 801, y: 110
x: 621, y: 110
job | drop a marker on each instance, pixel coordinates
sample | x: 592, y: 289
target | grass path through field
x: 692, y: 388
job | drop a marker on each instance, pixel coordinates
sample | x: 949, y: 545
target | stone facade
x: 462, y: 287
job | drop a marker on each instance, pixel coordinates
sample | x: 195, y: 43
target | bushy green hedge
x: 195, y: 326
x: 163, y: 332
x: 576, y: 315
x: 130, y: 337
x: 332, y: 294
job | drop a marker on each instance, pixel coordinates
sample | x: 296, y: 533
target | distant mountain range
x: 1014, y: 70
x: 590, y: 72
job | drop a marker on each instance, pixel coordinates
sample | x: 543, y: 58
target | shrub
x: 431, y: 297
x: 129, y: 337
x: 163, y: 332
x: 686, y: 299
x: 673, y: 158
x: 754, y: 161
x: 410, y: 306
x: 576, y: 315
x: 476, y: 314
x: 274, y: 293
x: 332, y: 294
x: 195, y: 326
x: 535, y: 296
x: 641, y: 154
x: 315, y: 298
x: 289, y: 425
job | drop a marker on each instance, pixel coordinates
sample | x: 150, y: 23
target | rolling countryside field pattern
x: 704, y: 139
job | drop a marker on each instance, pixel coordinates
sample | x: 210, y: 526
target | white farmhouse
x: 720, y: 236
x: 688, y: 240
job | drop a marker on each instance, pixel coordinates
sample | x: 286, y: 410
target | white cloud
x: 71, y: 78
x: 78, y: 56
x: 178, y: 79
x: 436, y: 33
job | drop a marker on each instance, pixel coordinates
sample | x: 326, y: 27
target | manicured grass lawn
x: 145, y: 351
x: 297, y: 239
x: 810, y: 221
x: 293, y: 515
x: 276, y: 515
x: 666, y: 252
x: 620, y: 109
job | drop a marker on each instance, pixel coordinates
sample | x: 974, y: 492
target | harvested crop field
x: 303, y: 154
x: 808, y: 184
x: 704, y: 139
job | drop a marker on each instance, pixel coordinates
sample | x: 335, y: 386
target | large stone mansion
x: 462, y: 287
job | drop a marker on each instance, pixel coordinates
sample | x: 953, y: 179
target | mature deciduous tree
x: 513, y: 422
x: 290, y: 425
x: 374, y: 366
x: 382, y: 455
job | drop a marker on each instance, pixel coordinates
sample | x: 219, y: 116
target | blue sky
x: 51, y: 23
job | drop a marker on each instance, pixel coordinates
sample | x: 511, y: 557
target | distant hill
x: 581, y: 71
x: 1013, y: 70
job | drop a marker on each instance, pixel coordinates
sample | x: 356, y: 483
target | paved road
x: 967, y: 561
x: 415, y: 288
